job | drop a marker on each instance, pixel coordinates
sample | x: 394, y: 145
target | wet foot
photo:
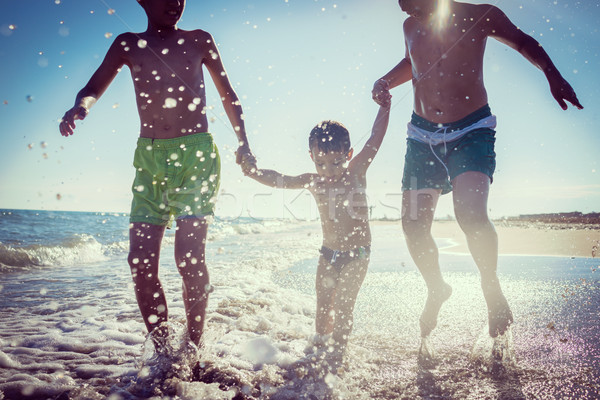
x: 435, y: 299
x: 310, y: 365
x: 426, y: 358
x: 199, y: 369
x: 334, y: 362
x: 499, y: 318
x: 160, y: 338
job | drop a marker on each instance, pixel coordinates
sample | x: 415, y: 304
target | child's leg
x: 418, y: 209
x: 190, y: 244
x: 144, y: 254
x: 348, y: 285
x: 326, y: 292
x: 471, y: 191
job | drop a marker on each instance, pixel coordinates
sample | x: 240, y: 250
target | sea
x: 71, y: 328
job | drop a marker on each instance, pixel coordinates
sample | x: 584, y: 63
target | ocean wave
x: 85, y: 248
x: 78, y: 249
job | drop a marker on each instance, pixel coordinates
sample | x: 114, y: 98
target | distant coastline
x: 564, y: 219
x: 568, y: 220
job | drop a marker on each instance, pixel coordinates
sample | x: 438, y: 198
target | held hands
x: 245, y: 158
x: 67, y: 124
x: 381, y: 93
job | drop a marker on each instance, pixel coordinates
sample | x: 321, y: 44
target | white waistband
x: 444, y: 135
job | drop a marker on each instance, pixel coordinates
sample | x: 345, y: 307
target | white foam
x: 84, y: 334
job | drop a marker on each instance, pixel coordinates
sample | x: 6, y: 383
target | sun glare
x: 441, y: 16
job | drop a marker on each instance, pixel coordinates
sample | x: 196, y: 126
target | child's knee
x: 141, y: 265
x: 474, y: 223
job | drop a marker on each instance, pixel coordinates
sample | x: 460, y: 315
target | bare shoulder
x: 409, y: 24
x: 127, y: 38
x: 201, y: 37
x: 122, y: 44
x: 486, y: 13
x: 486, y: 16
x: 308, y: 181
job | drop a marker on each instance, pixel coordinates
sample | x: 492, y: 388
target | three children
x: 178, y: 166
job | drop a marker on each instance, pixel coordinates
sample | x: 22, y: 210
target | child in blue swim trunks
x: 177, y: 163
x: 450, y: 143
x: 339, y: 190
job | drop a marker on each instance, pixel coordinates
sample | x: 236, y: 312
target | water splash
x: 494, y: 355
x: 426, y: 358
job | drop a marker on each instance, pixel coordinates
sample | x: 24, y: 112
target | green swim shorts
x: 175, y: 178
x: 435, y: 166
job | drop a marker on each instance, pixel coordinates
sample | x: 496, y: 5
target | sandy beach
x: 523, y: 238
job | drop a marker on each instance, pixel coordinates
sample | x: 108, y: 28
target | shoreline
x: 526, y: 238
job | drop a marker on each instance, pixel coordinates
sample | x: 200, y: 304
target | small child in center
x: 339, y: 190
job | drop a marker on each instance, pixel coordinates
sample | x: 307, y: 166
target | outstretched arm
x: 277, y: 180
x: 361, y: 162
x: 96, y: 86
x: 502, y: 29
x: 231, y: 104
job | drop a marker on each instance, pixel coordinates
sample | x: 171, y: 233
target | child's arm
x: 277, y: 180
x: 361, y: 162
x: 502, y: 29
x: 231, y: 103
x: 96, y: 86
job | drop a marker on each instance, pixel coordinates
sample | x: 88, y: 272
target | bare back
x: 447, y: 62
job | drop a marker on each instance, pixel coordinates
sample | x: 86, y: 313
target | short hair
x: 329, y: 136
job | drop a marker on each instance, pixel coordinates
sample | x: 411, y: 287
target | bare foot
x: 435, y: 299
x: 499, y: 317
x: 160, y: 338
x: 426, y: 358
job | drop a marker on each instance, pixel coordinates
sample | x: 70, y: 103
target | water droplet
x: 170, y: 103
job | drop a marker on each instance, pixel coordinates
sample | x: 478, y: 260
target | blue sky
x: 293, y: 63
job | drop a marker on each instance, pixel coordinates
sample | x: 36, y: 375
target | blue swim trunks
x: 433, y: 164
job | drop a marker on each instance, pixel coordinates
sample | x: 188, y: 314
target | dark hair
x: 329, y: 136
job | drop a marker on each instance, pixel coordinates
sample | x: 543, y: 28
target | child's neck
x: 162, y: 33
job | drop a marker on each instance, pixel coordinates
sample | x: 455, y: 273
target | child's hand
x: 67, y: 124
x: 246, y: 160
x: 381, y: 93
x: 561, y: 91
x: 249, y: 166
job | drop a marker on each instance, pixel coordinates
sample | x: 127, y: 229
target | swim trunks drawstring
x: 334, y: 256
x: 443, y: 130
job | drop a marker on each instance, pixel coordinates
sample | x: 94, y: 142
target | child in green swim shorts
x: 177, y: 163
x: 339, y: 188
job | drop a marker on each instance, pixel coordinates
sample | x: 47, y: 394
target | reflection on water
x: 551, y: 351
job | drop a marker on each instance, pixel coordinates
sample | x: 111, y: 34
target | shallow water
x: 74, y: 329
